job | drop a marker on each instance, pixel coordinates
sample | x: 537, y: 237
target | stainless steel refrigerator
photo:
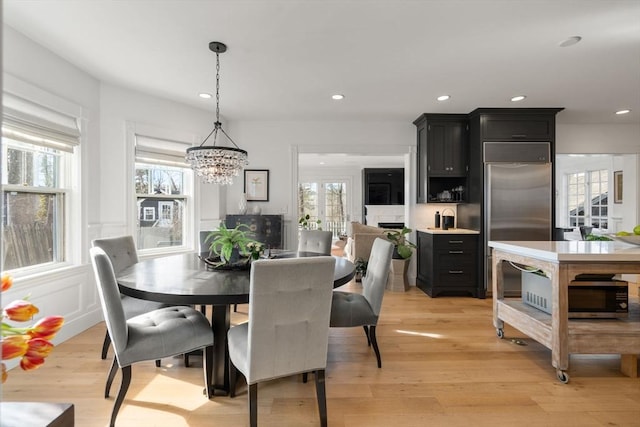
x: 517, y: 199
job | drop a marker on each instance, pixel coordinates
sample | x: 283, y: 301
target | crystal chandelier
x: 216, y: 164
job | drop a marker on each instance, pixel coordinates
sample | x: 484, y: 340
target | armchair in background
x: 361, y: 240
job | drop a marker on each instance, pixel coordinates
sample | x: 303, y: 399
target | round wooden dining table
x: 186, y: 279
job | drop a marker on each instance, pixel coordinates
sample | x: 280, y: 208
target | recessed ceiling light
x: 443, y: 97
x: 570, y: 41
x: 518, y: 98
x: 337, y: 96
x: 623, y: 112
x: 205, y: 95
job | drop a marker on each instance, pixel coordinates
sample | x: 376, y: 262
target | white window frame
x: 146, y: 212
x: 190, y: 188
x: 588, y: 197
x: 19, y: 94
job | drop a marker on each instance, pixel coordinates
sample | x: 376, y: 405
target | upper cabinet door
x: 443, y: 144
x: 518, y: 127
x: 421, y: 184
x: 447, y: 148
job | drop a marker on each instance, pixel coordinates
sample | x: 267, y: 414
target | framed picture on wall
x: 617, y: 187
x: 256, y: 185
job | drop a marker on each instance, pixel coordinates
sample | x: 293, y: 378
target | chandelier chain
x: 217, y: 87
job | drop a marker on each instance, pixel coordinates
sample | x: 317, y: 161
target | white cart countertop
x: 431, y: 230
x: 571, y: 250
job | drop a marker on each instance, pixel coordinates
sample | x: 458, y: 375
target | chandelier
x: 217, y: 164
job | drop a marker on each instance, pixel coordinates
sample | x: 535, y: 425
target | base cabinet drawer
x: 447, y: 264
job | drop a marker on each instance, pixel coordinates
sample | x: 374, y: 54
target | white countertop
x: 571, y: 250
x: 431, y: 230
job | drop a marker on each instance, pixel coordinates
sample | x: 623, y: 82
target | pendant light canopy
x: 217, y: 164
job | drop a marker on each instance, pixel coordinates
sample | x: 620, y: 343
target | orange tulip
x: 7, y: 281
x: 31, y: 363
x: 14, y: 346
x: 4, y: 373
x: 38, y: 347
x: 20, y: 310
x: 47, y: 327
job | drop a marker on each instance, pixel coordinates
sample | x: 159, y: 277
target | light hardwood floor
x: 442, y: 365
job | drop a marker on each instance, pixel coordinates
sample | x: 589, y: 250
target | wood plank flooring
x: 442, y: 365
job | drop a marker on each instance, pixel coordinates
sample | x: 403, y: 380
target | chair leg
x: 186, y: 360
x: 207, y: 364
x: 105, y: 345
x: 366, y: 332
x: 372, y: 335
x: 253, y: 405
x: 322, y: 397
x: 235, y: 308
x: 233, y: 379
x: 305, y: 377
x: 158, y: 364
x: 110, y: 377
x: 124, y: 387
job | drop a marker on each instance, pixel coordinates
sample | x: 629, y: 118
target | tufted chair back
x: 121, y: 250
x: 316, y: 241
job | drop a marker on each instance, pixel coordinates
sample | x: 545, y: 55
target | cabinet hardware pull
x: 455, y: 241
x: 519, y: 136
x: 456, y: 271
x: 456, y: 252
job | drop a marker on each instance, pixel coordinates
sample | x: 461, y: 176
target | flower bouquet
x: 31, y: 343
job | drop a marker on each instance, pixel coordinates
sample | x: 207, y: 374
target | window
x: 37, y: 160
x: 163, y: 192
x: 587, y: 198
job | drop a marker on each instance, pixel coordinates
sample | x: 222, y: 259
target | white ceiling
x: 391, y: 58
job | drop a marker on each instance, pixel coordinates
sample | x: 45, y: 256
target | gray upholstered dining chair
x: 122, y: 253
x: 164, y: 332
x: 288, y: 328
x: 316, y: 241
x: 350, y: 309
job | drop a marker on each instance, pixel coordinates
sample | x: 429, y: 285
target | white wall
x: 120, y: 107
x: 274, y: 145
x: 69, y: 292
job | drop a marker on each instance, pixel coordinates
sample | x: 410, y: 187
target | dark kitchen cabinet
x: 447, y: 263
x: 518, y: 127
x: 442, y: 142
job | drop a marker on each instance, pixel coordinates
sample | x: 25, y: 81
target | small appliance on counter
x: 448, y: 221
x: 590, y: 295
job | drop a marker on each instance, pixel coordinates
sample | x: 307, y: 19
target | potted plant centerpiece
x: 232, y: 248
x: 402, y: 251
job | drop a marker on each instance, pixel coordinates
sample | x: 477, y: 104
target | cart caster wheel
x: 500, y: 333
x: 563, y: 377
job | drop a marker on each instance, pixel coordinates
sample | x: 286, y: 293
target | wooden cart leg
x: 629, y: 365
x: 497, y: 290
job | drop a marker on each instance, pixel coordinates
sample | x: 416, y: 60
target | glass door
x: 325, y: 202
